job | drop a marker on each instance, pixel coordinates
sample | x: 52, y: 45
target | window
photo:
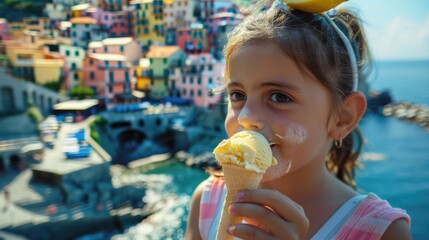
x: 67, y: 53
x: 76, y: 76
x: 199, y: 81
x: 91, y: 75
x: 164, y: 60
x: 199, y: 93
x: 119, y: 64
x: 121, y: 48
x: 210, y: 80
x: 91, y: 61
x: 184, y: 80
x: 111, y: 77
x: 184, y: 92
x: 76, y: 53
x: 210, y: 67
x: 191, y: 80
x: 127, y: 77
x: 192, y: 92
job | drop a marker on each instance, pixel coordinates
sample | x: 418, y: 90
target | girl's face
x: 269, y: 94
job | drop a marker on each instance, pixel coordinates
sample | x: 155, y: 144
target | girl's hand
x: 269, y: 214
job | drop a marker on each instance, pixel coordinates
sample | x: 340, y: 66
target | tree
x: 81, y: 92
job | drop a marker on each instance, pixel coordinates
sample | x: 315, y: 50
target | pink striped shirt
x: 369, y: 219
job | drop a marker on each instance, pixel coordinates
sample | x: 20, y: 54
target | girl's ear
x: 352, y: 109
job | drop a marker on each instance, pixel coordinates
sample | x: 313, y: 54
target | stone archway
x: 16, y: 162
x: 7, y: 99
x: 2, y: 165
x: 129, y: 142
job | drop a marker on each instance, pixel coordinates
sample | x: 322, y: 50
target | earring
x: 338, y: 143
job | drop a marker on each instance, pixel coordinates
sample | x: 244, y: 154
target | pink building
x: 219, y: 25
x: 197, y: 80
x: 122, y: 26
x: 4, y: 30
x: 125, y: 46
x: 110, y: 76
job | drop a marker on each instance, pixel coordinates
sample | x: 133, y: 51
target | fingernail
x: 240, y: 196
x: 230, y: 229
x: 231, y: 208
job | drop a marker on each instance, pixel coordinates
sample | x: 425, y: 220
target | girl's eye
x: 237, y: 96
x: 280, y: 98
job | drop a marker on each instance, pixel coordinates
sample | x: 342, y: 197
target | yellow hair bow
x: 313, y: 6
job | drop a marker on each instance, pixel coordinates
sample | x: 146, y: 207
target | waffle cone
x: 236, y: 180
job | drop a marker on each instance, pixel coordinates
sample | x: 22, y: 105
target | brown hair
x: 313, y: 43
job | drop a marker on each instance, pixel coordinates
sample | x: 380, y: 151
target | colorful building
x: 179, y: 13
x: 193, y: 39
x: 41, y: 25
x: 48, y: 70
x: 162, y: 59
x: 207, y: 9
x: 74, y: 59
x: 125, y: 46
x: 56, y: 11
x: 122, y: 26
x: 148, y: 22
x: 143, y: 75
x: 79, y: 10
x: 4, y: 30
x: 197, y: 80
x: 219, y: 25
x: 110, y: 76
x: 85, y: 30
x: 21, y: 56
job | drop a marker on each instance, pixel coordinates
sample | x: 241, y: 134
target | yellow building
x: 162, y: 59
x: 142, y: 72
x: 16, y: 29
x: 41, y: 25
x: 79, y: 10
x: 148, y: 21
x: 48, y: 70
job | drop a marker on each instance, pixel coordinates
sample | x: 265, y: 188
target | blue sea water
x: 395, y: 160
x: 401, y: 175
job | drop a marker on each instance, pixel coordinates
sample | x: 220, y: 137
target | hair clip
x: 279, y: 4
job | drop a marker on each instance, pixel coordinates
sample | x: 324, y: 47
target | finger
x: 285, y: 207
x: 248, y: 232
x: 261, y: 215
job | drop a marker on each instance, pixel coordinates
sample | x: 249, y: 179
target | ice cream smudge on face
x: 294, y: 134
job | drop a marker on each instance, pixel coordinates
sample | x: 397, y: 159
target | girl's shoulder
x: 371, y: 217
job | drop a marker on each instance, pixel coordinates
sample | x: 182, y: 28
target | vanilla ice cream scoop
x: 244, y: 158
x: 247, y: 149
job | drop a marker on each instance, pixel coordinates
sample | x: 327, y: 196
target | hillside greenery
x: 16, y: 10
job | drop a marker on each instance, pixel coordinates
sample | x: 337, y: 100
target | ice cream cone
x: 236, y: 180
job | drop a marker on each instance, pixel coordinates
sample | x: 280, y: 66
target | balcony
x: 24, y: 63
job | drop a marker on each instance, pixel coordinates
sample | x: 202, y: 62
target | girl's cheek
x: 293, y: 133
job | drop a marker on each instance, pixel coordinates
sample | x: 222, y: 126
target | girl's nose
x: 249, y: 119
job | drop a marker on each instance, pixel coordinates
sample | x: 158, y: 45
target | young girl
x: 291, y: 76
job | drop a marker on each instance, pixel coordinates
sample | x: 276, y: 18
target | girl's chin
x: 277, y: 171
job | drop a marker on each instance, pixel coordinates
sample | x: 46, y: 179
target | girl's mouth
x: 273, y: 145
